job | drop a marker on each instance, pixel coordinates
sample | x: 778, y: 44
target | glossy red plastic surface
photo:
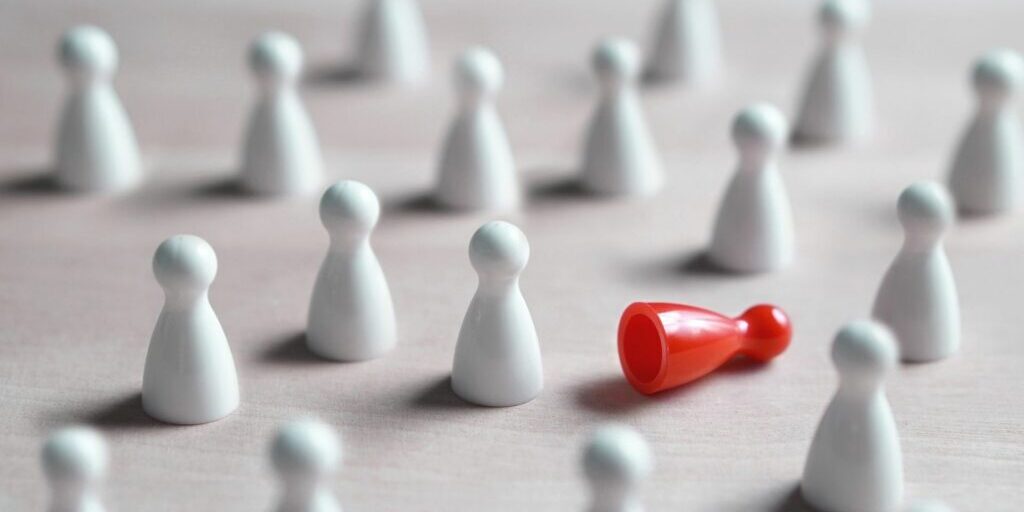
x: 662, y: 345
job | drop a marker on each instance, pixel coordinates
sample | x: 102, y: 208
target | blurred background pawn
x: 616, y: 462
x: 305, y: 454
x: 96, y: 150
x: 75, y: 461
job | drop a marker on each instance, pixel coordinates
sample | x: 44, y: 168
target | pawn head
x: 75, y: 454
x: 929, y: 506
x: 864, y: 350
x: 275, y: 58
x: 616, y: 61
x: 616, y: 456
x: 767, y: 331
x: 87, y: 52
x: 759, y: 130
x: 478, y: 73
x: 185, y: 263
x: 349, y: 209
x: 925, y: 210
x: 839, y: 18
x: 997, y: 75
x: 305, y: 449
x: 499, y: 250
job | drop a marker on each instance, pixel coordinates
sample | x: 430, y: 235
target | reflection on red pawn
x: 662, y: 345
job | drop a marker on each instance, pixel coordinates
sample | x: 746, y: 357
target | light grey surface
x: 78, y: 301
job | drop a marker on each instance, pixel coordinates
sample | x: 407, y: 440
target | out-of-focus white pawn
x: 855, y: 462
x: 686, y: 45
x: 619, y: 156
x: 929, y: 506
x: 477, y: 171
x: 616, y: 461
x: 190, y: 374
x: 754, y: 228
x: 351, y: 316
x: 305, y: 454
x: 281, y: 154
x: 497, y: 357
x: 917, y: 298
x: 838, y: 103
x: 392, y: 44
x: 986, y: 174
x: 96, y: 148
x: 75, y: 461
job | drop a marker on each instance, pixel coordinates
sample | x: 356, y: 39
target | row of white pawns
x: 96, y: 148
x: 306, y: 453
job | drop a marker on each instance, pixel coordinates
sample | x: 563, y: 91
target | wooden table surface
x: 78, y: 300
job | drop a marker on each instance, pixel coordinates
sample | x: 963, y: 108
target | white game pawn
x: 96, y: 147
x: 75, y: 461
x: 392, y: 44
x: 754, y: 228
x: 616, y: 461
x: 929, y: 506
x: 837, y: 105
x: 477, y: 170
x: 190, y: 375
x: 986, y: 174
x: 497, y: 358
x: 917, y: 298
x: 305, y: 454
x: 351, y: 317
x: 855, y: 463
x: 686, y: 44
x: 619, y: 156
x: 281, y: 154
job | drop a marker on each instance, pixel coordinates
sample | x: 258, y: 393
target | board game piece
x: 75, y: 461
x: 305, y: 454
x: 351, y: 316
x: 497, y: 356
x: 281, y: 154
x: 190, y: 374
x: 619, y: 157
x: 753, y: 230
x: 662, y: 346
x: 985, y: 177
x: 616, y: 462
x: 855, y: 463
x: 477, y: 171
x: 392, y: 43
x: 96, y: 148
x: 929, y: 506
x: 838, y: 105
x: 917, y: 298
x: 686, y: 46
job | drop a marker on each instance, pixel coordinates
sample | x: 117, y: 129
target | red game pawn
x: 662, y: 345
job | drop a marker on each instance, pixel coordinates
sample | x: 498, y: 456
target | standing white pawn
x: 986, y: 173
x: 351, y: 316
x: 855, y: 463
x: 392, y: 44
x: 497, y: 357
x: 754, y: 228
x: 616, y: 461
x: 477, y: 170
x: 190, y: 375
x: 281, y: 154
x: 838, y: 104
x: 75, y: 461
x: 917, y: 298
x: 619, y: 156
x: 686, y: 45
x: 305, y: 454
x: 96, y: 147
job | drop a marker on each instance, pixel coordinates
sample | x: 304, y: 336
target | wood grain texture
x: 78, y: 301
